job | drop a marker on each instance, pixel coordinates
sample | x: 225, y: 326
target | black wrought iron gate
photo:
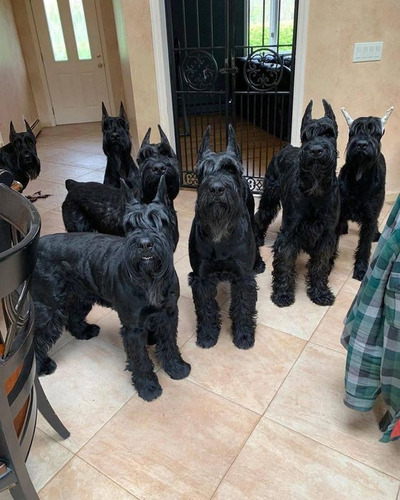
x: 232, y: 61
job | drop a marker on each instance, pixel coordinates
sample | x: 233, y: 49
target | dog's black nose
x: 316, y: 151
x: 115, y: 135
x: 145, y: 244
x: 159, y: 168
x: 362, y: 145
x: 217, y: 188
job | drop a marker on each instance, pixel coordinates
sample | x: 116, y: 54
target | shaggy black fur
x: 133, y: 275
x: 303, y: 180
x: 20, y: 156
x: 95, y: 207
x: 117, y: 147
x: 362, y: 186
x: 156, y: 160
x: 222, y: 245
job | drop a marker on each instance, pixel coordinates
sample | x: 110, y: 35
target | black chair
x: 21, y: 393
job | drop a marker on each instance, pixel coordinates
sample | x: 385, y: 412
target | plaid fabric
x: 372, y: 331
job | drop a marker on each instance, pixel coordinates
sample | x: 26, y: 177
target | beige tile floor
x: 263, y: 423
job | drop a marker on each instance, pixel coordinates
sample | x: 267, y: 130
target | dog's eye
x: 330, y: 133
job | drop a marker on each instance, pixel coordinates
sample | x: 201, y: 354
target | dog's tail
x: 70, y: 183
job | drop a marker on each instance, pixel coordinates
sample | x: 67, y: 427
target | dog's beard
x: 317, y: 174
x: 218, y: 214
x: 151, y: 270
x: 31, y: 167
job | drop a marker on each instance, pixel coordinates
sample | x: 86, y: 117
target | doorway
x: 232, y: 61
x: 70, y: 45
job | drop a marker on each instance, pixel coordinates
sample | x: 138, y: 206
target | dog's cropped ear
x: 347, y: 116
x: 12, y: 131
x: 146, y: 139
x: 122, y: 113
x: 205, y: 144
x: 385, y: 118
x: 104, y: 111
x: 233, y: 146
x: 162, y: 192
x: 307, y: 114
x: 164, y: 138
x: 328, y: 110
x: 127, y: 193
x: 28, y: 128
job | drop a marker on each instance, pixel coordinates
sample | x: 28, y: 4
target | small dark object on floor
x: 303, y: 181
x: 37, y: 196
x: 222, y: 245
x: 134, y: 275
x: 362, y: 184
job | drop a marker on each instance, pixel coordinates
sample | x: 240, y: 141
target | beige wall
x: 107, y: 24
x: 137, y: 62
x: 16, y: 98
x: 364, y: 89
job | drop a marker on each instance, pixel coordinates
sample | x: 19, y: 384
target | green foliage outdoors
x: 285, y: 35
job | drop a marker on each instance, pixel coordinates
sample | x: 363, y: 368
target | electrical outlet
x: 367, y: 51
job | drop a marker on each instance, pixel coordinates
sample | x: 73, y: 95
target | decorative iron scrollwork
x: 200, y: 70
x: 256, y: 184
x: 263, y: 69
x: 189, y: 179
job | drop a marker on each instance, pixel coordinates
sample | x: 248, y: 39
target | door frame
x: 160, y: 42
x: 49, y: 118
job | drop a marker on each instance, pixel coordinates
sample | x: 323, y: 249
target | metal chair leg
x: 47, y: 411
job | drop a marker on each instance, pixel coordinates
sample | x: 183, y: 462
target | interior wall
x: 16, y: 97
x: 107, y: 24
x: 364, y: 89
x: 134, y: 31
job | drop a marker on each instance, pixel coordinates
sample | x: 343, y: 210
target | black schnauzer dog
x: 155, y: 160
x: 362, y: 184
x: 20, y: 156
x: 117, y: 147
x: 222, y: 244
x: 134, y: 275
x: 303, y: 180
x: 94, y: 207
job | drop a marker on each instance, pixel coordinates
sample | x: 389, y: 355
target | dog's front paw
x: 321, y: 298
x: 244, y: 340
x: 148, y: 388
x: 377, y: 235
x: 207, y: 339
x: 46, y: 367
x: 282, y: 299
x: 89, y: 332
x: 177, y: 368
x: 359, y: 273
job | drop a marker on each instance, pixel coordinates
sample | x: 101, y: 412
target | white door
x: 69, y: 39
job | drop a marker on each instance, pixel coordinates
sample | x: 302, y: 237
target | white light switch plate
x: 367, y: 51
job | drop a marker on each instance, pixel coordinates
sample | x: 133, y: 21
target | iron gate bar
x: 260, y: 110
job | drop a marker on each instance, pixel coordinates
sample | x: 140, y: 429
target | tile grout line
x: 397, y: 479
x: 235, y: 457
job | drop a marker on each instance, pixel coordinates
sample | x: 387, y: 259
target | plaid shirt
x: 372, y: 331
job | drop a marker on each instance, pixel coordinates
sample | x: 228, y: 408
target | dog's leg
x: 207, y: 311
x: 243, y: 310
x: 77, y: 309
x: 167, y: 350
x: 138, y: 362
x: 269, y: 206
x: 48, y: 328
x: 367, y: 232
x: 285, y: 251
x: 319, y: 267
